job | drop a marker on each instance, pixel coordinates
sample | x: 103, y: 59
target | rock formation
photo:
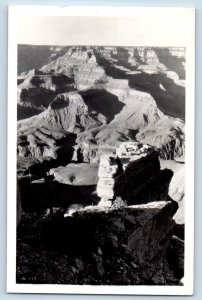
x: 177, y: 187
x: 117, y: 246
x: 80, y: 64
x: 111, y: 91
x: 92, y: 125
x: 133, y: 174
x: 41, y: 142
x: 36, y: 90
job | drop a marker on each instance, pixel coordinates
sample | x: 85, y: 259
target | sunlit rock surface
x: 133, y: 174
x: 76, y: 174
x: 113, y: 92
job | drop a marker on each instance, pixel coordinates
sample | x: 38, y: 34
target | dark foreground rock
x: 41, y: 194
x: 115, y: 246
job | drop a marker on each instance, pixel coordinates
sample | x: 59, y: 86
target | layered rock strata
x: 103, y: 98
x: 133, y: 174
x: 40, y: 143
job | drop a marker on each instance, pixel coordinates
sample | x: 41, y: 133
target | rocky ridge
x: 121, y: 246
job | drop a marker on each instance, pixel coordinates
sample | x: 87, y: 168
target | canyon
x: 100, y: 168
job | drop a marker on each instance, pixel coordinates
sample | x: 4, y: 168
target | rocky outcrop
x: 42, y: 143
x: 33, y: 81
x: 117, y: 246
x: 150, y: 60
x: 177, y: 187
x: 92, y: 143
x: 133, y: 174
x: 82, y: 65
x: 139, y: 119
x: 167, y: 136
x: 140, y: 110
x: 68, y: 112
x: 37, y: 90
x: 150, y: 125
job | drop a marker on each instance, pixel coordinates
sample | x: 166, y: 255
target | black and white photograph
x: 100, y: 154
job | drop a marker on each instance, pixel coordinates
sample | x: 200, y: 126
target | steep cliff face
x: 133, y: 174
x: 81, y: 65
x: 151, y: 61
x: 117, y: 246
x: 177, y: 187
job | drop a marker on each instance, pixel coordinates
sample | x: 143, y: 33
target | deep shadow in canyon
x: 170, y: 101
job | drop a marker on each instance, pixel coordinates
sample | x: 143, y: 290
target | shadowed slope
x: 170, y: 99
x: 102, y: 102
x: 172, y: 62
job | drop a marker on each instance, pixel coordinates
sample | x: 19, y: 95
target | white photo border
x: 183, y: 18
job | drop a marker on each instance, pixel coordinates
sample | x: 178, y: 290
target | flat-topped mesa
x: 133, y: 174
